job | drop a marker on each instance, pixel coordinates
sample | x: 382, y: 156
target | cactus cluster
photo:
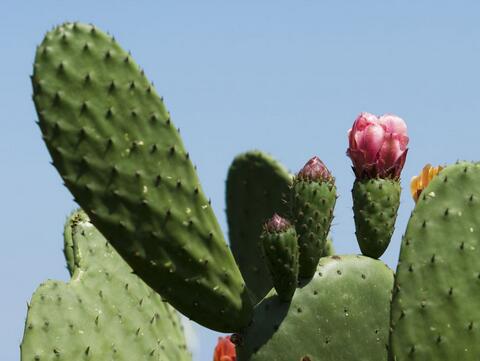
x: 279, y: 287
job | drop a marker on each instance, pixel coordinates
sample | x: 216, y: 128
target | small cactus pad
x: 256, y: 188
x: 375, y: 205
x: 113, y: 143
x: 280, y: 246
x: 435, y: 307
x: 342, y: 313
x: 312, y: 202
x: 105, y: 312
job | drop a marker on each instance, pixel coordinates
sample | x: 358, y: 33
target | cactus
x: 313, y: 200
x: 280, y: 246
x: 342, y: 313
x: 257, y: 187
x: 434, y: 313
x: 104, y: 312
x: 118, y: 152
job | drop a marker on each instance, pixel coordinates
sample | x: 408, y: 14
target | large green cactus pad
x: 435, y: 308
x: 341, y: 314
x: 113, y: 143
x: 256, y: 189
x: 104, y: 313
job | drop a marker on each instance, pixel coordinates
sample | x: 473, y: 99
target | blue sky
x: 286, y: 77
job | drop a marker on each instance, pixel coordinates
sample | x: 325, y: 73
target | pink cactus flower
x: 315, y: 170
x: 378, y: 146
x: 225, y: 350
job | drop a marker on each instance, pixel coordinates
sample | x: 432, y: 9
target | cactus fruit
x: 118, y: 152
x: 378, y: 149
x: 342, y: 313
x: 375, y: 205
x: 105, y: 312
x: 280, y: 246
x: 435, y: 315
x: 257, y: 187
x: 313, y: 197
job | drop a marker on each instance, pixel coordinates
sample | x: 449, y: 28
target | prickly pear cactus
x: 342, y: 313
x: 118, y: 152
x: 435, y: 313
x: 105, y: 312
x: 257, y: 187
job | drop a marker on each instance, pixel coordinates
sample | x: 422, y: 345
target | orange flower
x: 420, y: 182
x: 225, y: 350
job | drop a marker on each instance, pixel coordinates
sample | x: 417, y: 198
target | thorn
x: 87, y: 350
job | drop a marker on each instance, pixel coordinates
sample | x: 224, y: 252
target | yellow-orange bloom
x: 420, y: 182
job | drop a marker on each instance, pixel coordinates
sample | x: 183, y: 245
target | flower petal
x: 393, y: 124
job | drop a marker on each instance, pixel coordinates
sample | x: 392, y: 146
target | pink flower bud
x: 225, y: 350
x: 277, y: 224
x: 315, y: 170
x: 378, y: 146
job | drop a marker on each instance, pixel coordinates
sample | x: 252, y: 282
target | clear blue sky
x: 287, y: 77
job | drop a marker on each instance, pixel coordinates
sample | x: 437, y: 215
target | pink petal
x: 390, y: 152
x: 393, y: 124
x: 370, y: 141
x: 364, y: 120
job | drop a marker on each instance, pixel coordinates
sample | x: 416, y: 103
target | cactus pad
x: 105, y: 312
x: 435, y: 313
x: 342, y: 313
x: 118, y: 152
x: 256, y: 189
x: 375, y: 206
